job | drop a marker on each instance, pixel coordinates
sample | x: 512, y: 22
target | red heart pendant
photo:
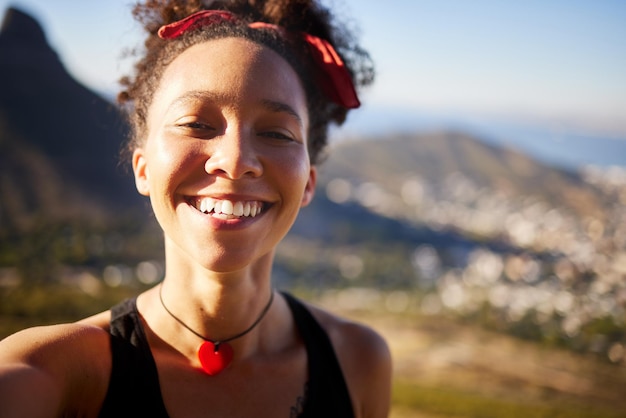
x: 214, y: 359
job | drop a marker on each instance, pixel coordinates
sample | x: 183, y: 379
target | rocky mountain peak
x: 19, y: 27
x: 24, y: 46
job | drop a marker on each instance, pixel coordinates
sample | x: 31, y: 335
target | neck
x: 217, y: 342
x: 216, y: 290
x: 217, y: 306
x: 218, y: 313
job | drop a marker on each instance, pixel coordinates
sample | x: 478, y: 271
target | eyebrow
x: 280, y: 107
x: 271, y: 105
x: 192, y: 95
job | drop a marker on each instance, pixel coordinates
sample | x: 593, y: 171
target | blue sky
x: 556, y: 60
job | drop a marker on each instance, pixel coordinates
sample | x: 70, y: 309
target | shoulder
x: 41, y: 345
x: 68, y: 364
x: 365, y: 360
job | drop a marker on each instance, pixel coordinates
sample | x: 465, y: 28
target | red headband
x: 333, y: 78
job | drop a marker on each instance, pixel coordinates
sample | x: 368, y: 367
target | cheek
x: 294, y: 171
x: 169, y: 163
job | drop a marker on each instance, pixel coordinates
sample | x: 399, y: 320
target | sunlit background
x: 485, y: 178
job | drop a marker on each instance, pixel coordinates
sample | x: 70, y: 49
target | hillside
x: 435, y: 157
x: 64, y: 199
x: 60, y: 141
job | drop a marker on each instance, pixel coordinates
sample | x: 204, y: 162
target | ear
x: 309, y: 189
x: 140, y: 170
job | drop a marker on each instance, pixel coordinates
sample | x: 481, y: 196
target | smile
x: 227, y: 209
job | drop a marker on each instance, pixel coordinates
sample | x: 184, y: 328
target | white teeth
x: 207, y: 205
x: 226, y: 207
x: 238, y: 209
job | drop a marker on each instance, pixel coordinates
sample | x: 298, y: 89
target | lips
x: 229, y: 209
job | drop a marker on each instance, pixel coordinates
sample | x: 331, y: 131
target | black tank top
x: 134, y: 389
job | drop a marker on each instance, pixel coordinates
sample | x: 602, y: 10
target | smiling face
x: 225, y: 158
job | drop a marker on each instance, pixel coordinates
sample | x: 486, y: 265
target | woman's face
x: 225, y: 160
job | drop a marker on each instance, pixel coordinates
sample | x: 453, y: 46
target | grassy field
x: 446, y: 369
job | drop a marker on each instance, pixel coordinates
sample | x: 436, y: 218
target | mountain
x: 59, y: 141
x: 440, y: 158
x: 568, y: 144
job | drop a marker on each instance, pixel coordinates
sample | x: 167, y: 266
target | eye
x: 195, y: 129
x: 277, y: 135
x: 196, y: 125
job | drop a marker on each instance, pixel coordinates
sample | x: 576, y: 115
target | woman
x: 230, y: 106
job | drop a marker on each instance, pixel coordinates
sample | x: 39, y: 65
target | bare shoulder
x: 37, y: 343
x: 365, y: 360
x: 101, y: 320
x: 67, y: 364
x: 351, y: 336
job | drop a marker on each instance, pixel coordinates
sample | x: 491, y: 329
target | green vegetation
x: 25, y: 306
x: 410, y: 397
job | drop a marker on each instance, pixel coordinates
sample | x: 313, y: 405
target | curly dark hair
x: 295, y: 16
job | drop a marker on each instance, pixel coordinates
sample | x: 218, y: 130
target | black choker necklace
x: 216, y: 355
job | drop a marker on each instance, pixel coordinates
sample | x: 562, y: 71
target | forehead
x: 235, y: 69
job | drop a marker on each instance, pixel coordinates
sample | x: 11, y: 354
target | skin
x: 228, y: 121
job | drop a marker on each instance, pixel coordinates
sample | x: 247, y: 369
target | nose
x: 234, y: 156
